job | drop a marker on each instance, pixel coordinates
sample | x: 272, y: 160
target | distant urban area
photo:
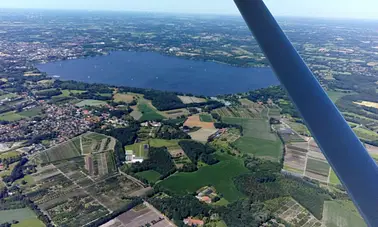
x: 87, y: 154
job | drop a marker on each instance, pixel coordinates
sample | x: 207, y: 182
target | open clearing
x: 11, y: 116
x: 367, y: 103
x: 149, y: 113
x: 191, y: 99
x: 206, y: 118
x: 176, y: 113
x: 150, y: 175
x: 202, y: 134
x: 194, y: 121
x: 123, y: 97
x: 90, y: 102
x: 365, y: 133
x: 336, y: 95
x: 257, y: 138
x: 257, y: 128
x: 16, y: 214
x: 9, y: 154
x: 341, y: 214
x: 267, y: 149
x: 219, y: 175
x: 32, y: 222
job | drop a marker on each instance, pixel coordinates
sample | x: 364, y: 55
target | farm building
x: 129, y: 155
x: 193, y: 222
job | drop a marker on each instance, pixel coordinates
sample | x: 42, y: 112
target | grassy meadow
x: 219, y: 175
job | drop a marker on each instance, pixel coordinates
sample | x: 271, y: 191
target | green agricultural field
x: 31, y: 112
x: 149, y: 114
x: 9, y: 154
x: 206, y: 118
x: 298, y: 127
x: 219, y: 175
x: 333, y: 179
x: 257, y: 128
x: 90, y: 102
x: 32, y: 222
x: 341, y: 214
x: 170, y: 144
x: 316, y: 166
x: 267, y: 149
x: 150, y: 175
x: 66, y: 93
x: 9, y: 95
x: 336, y: 95
x: 27, y: 178
x: 365, y: 134
x: 16, y: 214
x: 11, y: 116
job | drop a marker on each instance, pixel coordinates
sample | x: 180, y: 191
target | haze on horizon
x: 363, y: 9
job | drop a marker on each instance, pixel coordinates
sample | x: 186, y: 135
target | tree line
x: 197, y: 151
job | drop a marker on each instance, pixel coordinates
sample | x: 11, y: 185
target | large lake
x: 153, y: 70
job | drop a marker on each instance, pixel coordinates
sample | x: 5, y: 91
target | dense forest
x: 159, y: 159
x: 47, y: 94
x: 244, y: 213
x: 179, y: 207
x: 169, y: 133
x: 197, y: 151
x: 125, y: 135
x: 76, y: 85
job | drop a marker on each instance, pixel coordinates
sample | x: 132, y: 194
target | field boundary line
x: 84, y: 190
x: 140, y: 183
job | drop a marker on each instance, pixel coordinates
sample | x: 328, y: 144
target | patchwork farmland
x: 292, y: 212
x: 306, y: 159
x: 257, y: 138
x: 60, y: 189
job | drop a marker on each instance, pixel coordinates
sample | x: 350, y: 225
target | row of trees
x: 82, y: 86
x: 179, y: 207
x: 197, y: 151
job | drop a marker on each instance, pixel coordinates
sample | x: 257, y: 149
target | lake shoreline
x: 152, y: 70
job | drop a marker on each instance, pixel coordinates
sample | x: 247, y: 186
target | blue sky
x: 308, y: 8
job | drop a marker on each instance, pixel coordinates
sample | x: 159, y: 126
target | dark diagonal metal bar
x: 348, y: 157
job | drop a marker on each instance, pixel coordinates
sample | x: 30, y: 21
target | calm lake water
x: 153, y: 70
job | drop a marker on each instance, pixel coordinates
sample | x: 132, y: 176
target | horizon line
x: 189, y: 13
